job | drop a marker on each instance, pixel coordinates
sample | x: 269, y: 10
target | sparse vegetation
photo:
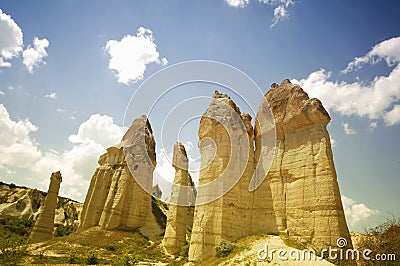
x: 12, y: 249
x: 92, y: 258
x: 126, y: 260
x: 382, y: 239
x: 63, y: 230
x: 16, y: 225
x: 185, y: 251
x: 224, y: 248
x: 72, y: 256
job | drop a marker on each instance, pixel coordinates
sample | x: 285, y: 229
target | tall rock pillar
x: 223, y: 204
x: 44, y: 225
x: 302, y: 177
x: 180, y: 211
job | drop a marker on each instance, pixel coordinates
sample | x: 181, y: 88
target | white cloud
x: 373, y: 125
x: 237, y: 3
x: 333, y: 142
x: 11, y: 41
x: 280, y: 10
x: 17, y: 147
x: 51, y: 95
x: 11, y: 88
x: 130, y: 56
x: 164, y: 165
x: 33, y: 55
x: 60, y: 110
x: 393, y: 117
x: 2, y: 93
x: 388, y: 50
x: 100, y: 129
x: 356, y: 212
x: 77, y: 164
x: 373, y: 100
x: 348, y: 130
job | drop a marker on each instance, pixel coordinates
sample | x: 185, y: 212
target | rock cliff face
x: 289, y: 186
x: 180, y: 215
x: 302, y: 177
x: 43, y: 229
x: 115, y: 198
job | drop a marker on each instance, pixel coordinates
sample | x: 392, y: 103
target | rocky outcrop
x: 181, y: 207
x: 119, y: 193
x: 43, y: 229
x: 224, y: 203
x: 26, y: 204
x: 302, y: 177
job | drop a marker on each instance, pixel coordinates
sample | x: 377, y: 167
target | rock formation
x: 26, y: 204
x: 302, y: 177
x: 44, y: 225
x: 118, y: 199
x: 181, y: 208
x: 224, y: 203
x: 297, y: 194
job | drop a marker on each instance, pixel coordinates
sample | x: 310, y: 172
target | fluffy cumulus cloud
x: 237, y: 3
x: 130, y: 56
x: 77, y: 164
x: 11, y: 41
x: 388, y: 50
x: 11, y: 45
x: 17, y: 147
x: 356, y: 212
x: 20, y: 151
x: 378, y: 99
x: 33, y: 55
x: 280, y: 7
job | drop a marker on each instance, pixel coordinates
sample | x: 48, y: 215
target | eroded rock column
x: 119, y: 196
x: 180, y: 210
x: 302, y: 177
x: 44, y: 225
x: 227, y: 162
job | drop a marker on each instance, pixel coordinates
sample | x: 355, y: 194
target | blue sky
x: 69, y: 68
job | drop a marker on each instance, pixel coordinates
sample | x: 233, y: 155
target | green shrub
x: 62, y: 230
x: 12, y: 249
x: 184, y: 251
x: 72, y: 256
x: 16, y: 225
x: 224, y: 248
x: 91, y: 258
x: 126, y: 260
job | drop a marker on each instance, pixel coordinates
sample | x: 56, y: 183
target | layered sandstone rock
x: 302, y: 177
x: 289, y: 181
x: 224, y: 203
x: 181, y: 207
x: 43, y: 229
x: 119, y: 195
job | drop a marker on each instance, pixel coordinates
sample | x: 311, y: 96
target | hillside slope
x: 24, y: 204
